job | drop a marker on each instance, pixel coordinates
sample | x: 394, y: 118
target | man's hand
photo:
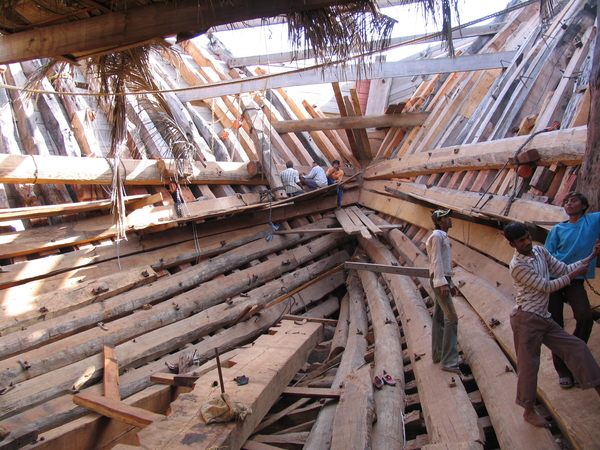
x: 596, y: 249
x: 445, y: 290
x: 579, y: 272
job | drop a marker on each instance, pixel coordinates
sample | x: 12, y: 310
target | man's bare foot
x: 531, y: 416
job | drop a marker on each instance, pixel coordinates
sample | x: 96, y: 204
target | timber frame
x: 289, y: 305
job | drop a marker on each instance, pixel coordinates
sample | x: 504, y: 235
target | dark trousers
x: 575, y: 295
x: 530, y: 331
x: 339, y: 190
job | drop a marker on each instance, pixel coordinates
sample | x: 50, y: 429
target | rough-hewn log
x: 61, y: 410
x: 495, y: 378
x: 389, y: 402
x: 355, y: 412
x: 566, y: 146
x: 352, y: 358
x: 63, y: 170
x: 436, y: 396
x: 158, y: 342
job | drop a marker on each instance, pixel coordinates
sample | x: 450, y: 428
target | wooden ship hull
x: 109, y: 343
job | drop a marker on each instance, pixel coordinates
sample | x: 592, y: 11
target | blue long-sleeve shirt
x: 571, y: 242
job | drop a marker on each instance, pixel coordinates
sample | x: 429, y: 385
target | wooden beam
x: 566, y: 146
x: 274, y: 58
x: 270, y: 363
x: 340, y: 123
x: 139, y: 24
x: 312, y: 392
x: 66, y: 170
x: 350, y: 73
x: 111, y: 373
x: 73, y: 208
x: 422, y: 272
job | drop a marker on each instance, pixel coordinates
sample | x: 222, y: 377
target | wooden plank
x: 270, y: 364
x: 181, y: 249
x: 339, y: 98
x: 56, y: 236
x: 483, y: 238
x: 111, y: 373
x: 566, y: 146
x: 115, y: 409
x: 364, y: 219
x: 312, y: 392
x: 346, y: 223
x: 422, y: 272
x: 521, y: 210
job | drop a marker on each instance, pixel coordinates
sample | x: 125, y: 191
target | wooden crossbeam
x: 115, y: 409
x: 421, y: 272
x: 340, y: 123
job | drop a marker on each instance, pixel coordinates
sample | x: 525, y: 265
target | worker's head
x: 575, y: 203
x: 289, y: 164
x: 336, y: 164
x: 441, y: 219
x: 518, y: 237
x: 314, y: 164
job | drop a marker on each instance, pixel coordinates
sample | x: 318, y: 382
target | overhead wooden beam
x: 565, y: 146
x: 66, y: 170
x: 139, y: 24
x: 340, y: 123
x: 274, y: 58
x: 349, y: 73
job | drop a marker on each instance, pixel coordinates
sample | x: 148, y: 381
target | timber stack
x: 225, y: 285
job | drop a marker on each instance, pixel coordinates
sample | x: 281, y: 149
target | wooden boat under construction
x: 288, y: 305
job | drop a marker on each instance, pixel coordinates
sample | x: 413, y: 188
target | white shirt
x: 440, y: 257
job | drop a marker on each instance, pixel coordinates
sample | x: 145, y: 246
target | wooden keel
x: 270, y: 364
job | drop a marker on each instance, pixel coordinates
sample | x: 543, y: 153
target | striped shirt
x: 531, y: 276
x: 290, y: 179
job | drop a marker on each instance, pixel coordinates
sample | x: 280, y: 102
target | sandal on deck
x: 566, y: 382
x: 455, y: 370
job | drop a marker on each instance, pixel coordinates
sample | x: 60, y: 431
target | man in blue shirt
x: 569, y: 242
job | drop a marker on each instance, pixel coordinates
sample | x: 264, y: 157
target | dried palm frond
x: 130, y: 71
x: 337, y: 32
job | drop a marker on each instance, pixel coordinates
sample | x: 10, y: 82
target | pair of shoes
x: 455, y: 370
x: 380, y: 380
x: 566, y: 382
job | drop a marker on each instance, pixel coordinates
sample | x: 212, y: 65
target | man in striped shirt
x: 532, y: 324
x: 291, y: 179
